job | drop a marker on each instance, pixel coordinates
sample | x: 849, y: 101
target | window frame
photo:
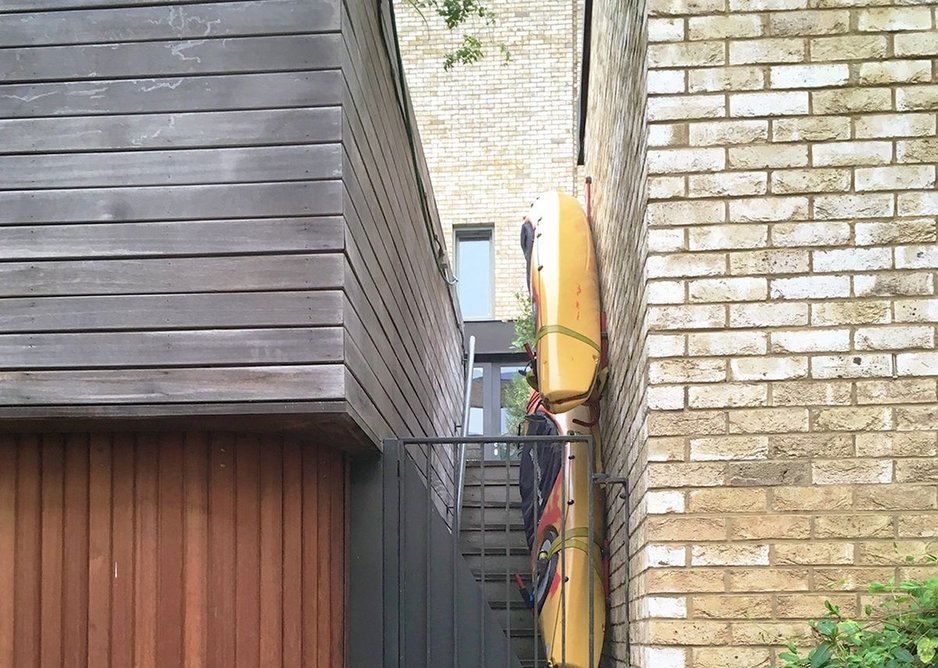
x: 476, y: 233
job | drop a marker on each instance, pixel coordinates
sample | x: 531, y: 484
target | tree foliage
x: 456, y: 14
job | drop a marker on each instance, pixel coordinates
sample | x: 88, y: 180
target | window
x: 474, y: 270
x: 489, y: 399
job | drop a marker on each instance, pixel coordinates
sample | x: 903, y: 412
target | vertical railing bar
x: 455, y: 589
x: 508, y: 483
x: 402, y: 543
x: 482, y: 602
x: 427, y: 562
x: 589, y: 547
x: 464, y: 431
x: 567, y: 449
x: 534, y: 579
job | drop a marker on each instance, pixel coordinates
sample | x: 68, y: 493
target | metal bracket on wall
x: 606, y: 479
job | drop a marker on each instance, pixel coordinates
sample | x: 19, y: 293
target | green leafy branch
x: 456, y: 13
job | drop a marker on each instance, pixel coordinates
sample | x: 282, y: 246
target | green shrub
x: 900, y: 631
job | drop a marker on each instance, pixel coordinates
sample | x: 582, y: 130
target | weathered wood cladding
x: 210, y: 203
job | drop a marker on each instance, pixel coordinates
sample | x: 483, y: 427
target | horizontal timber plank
x: 185, y: 130
x: 241, y: 347
x: 157, y: 203
x: 178, y: 167
x: 196, y: 93
x: 90, y: 21
x: 148, y: 276
x: 177, y: 58
x: 215, y: 237
x: 186, y: 311
x: 106, y: 386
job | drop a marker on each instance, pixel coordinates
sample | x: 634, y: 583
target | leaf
x: 826, y: 627
x: 925, y: 648
x: 820, y: 656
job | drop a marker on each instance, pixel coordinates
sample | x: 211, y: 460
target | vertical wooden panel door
x: 157, y: 550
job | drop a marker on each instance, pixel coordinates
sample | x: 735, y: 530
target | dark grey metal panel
x: 141, y: 59
x: 316, y: 198
x: 137, y: 386
x: 209, y: 93
x: 154, y: 131
x: 99, y: 21
x: 215, y: 237
x: 189, y: 311
x: 241, y: 347
x: 180, y: 167
x: 148, y: 276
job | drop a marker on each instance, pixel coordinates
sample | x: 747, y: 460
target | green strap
x: 566, y: 331
x: 570, y: 541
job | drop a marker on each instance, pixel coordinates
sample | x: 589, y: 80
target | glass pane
x: 514, y: 394
x: 476, y: 405
x: 474, y: 264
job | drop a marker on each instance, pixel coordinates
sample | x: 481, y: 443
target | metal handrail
x: 464, y: 431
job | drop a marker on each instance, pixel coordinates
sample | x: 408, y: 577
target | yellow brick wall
x: 792, y: 309
x: 496, y: 135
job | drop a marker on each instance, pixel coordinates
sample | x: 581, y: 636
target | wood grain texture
x: 175, y: 532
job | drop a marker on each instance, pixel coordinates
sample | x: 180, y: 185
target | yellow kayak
x: 565, y: 290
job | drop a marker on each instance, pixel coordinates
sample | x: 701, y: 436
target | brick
x: 665, y: 30
x: 732, y: 607
x: 685, y: 264
x: 662, y: 657
x: 662, y: 82
x: 686, y: 632
x: 726, y: 343
x: 851, y: 366
x: 676, y: 528
x: 690, y: 422
x: 720, y: 237
x: 898, y: 177
x: 665, y: 292
x: 813, y: 22
x: 765, y: 474
x: 850, y: 313
x: 775, y: 633
x: 813, y: 553
x: 917, y: 417
x: 895, y: 125
x: 910, y: 444
x: 844, y: 578
x: 685, y: 54
x: 810, y: 180
x: 808, y: 76
x: 852, y: 47
x: 665, y: 398
x: 915, y: 44
x: 681, y: 7
x: 852, y: 419
x: 673, y: 161
x: 916, y: 310
x: 769, y: 104
x: 894, y: 338
x: 661, y: 503
x: 665, y: 449
x: 664, y: 187
x: 918, y: 150
x: 894, y: 19
x: 812, y: 498
x: 834, y: 207
x: 852, y: 526
x: 821, y: 128
x: 663, y: 240
x: 768, y: 50
x: 728, y: 290
x: 807, y: 606
x: 680, y: 107
x: 918, y: 204
x: 758, y: 156
x: 686, y: 370
x: 851, y: 153
x: 811, y: 341
x: 851, y: 472
x: 727, y: 183
x: 725, y: 26
x: 727, y: 395
x: 722, y: 448
x: 765, y: 209
x: 728, y: 132
x: 851, y: 100
x: 810, y: 234
x: 769, y: 262
x: 665, y: 555
x: 895, y: 71
x: 888, y: 552
x: 716, y: 79
x: 896, y: 232
x: 697, y: 316
x: 769, y: 579
x: 696, y: 212
x: 917, y: 526
x: 917, y: 98
x: 811, y: 287
x: 768, y: 368
x: 768, y: 420
x: 726, y: 500
x: 811, y: 393
x: 893, y: 284
x: 667, y: 134
x: 666, y: 607
x: 896, y: 497
x: 800, y: 446
x: 852, y: 259
x: 686, y: 474
x: 729, y: 555
x: 666, y: 345
x: 768, y: 315
x: 917, y: 257
x: 917, y: 364
x: 762, y: 527
x: 721, y: 657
